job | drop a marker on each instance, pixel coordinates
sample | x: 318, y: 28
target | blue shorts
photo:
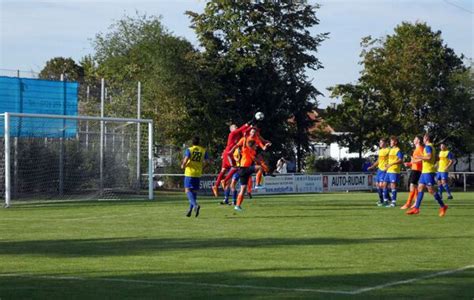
x: 442, y: 176
x: 427, y: 179
x: 236, y: 176
x: 392, y: 177
x: 380, y: 177
x: 192, y: 183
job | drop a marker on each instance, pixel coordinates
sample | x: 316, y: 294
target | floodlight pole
x: 87, y: 122
x: 139, y: 99
x: 101, y: 163
x: 7, y: 160
x: 61, y: 142
x: 15, y: 143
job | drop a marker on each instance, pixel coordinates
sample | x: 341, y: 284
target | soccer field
x: 297, y: 246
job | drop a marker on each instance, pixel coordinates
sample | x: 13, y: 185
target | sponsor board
x: 347, y: 182
x: 278, y: 185
x: 293, y: 184
x: 308, y: 183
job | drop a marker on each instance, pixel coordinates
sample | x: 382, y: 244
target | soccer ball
x: 259, y: 116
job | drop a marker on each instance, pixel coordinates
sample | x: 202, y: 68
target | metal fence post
x: 465, y: 182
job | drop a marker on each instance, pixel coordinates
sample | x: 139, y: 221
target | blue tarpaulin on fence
x: 25, y: 95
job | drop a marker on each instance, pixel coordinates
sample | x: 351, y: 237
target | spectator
x: 366, y: 165
x: 281, y: 166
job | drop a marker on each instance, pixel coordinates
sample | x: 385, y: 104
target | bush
x: 314, y: 164
x: 351, y: 164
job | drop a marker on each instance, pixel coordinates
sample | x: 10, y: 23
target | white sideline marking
x: 437, y: 274
x: 271, y: 288
x: 73, y: 219
x: 217, y: 285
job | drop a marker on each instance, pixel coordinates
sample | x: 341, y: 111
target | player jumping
x: 227, y: 161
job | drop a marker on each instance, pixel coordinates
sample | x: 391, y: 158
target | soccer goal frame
x: 7, y: 116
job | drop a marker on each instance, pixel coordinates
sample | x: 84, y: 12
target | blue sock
x: 234, y: 196
x: 226, y: 194
x: 438, y: 198
x: 440, y: 190
x: 419, y: 199
x: 385, y: 194
x: 446, y: 187
x: 192, y: 200
x: 195, y: 199
x: 394, y: 195
x: 380, y: 191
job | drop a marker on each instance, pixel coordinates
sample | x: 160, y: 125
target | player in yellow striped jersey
x: 381, y: 171
x: 393, y: 167
x: 445, y: 160
x: 427, y: 179
x: 192, y: 164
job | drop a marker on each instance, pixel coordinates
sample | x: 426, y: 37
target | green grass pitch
x: 314, y: 246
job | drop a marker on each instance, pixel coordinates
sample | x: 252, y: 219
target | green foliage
x: 418, y: 79
x: 411, y: 82
x: 351, y: 164
x: 60, y: 65
x: 314, y: 164
x: 258, y: 53
x: 359, y: 119
x: 140, y: 49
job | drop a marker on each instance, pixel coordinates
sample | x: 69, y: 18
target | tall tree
x: 259, y: 52
x: 60, y: 65
x: 357, y: 119
x: 140, y: 49
x: 415, y: 73
x: 418, y: 83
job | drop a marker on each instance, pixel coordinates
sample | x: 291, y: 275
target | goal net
x: 53, y: 157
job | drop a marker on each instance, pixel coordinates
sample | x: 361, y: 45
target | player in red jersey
x: 252, y: 134
x: 227, y: 160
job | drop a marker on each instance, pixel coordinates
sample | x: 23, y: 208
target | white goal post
x: 74, y: 157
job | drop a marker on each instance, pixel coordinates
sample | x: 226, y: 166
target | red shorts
x: 227, y: 161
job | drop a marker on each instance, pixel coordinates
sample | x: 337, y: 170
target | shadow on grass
x: 131, y: 246
x: 262, y: 284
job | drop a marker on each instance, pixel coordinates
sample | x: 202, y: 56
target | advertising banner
x: 347, y: 182
x: 297, y: 183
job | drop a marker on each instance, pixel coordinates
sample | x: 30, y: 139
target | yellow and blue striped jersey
x: 383, y: 158
x: 394, y: 155
x: 196, y: 155
x: 429, y: 165
x: 444, y: 158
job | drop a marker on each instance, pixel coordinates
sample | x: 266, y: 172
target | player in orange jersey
x: 259, y: 141
x: 415, y: 173
x: 246, y: 169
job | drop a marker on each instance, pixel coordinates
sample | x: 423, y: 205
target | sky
x: 34, y: 31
